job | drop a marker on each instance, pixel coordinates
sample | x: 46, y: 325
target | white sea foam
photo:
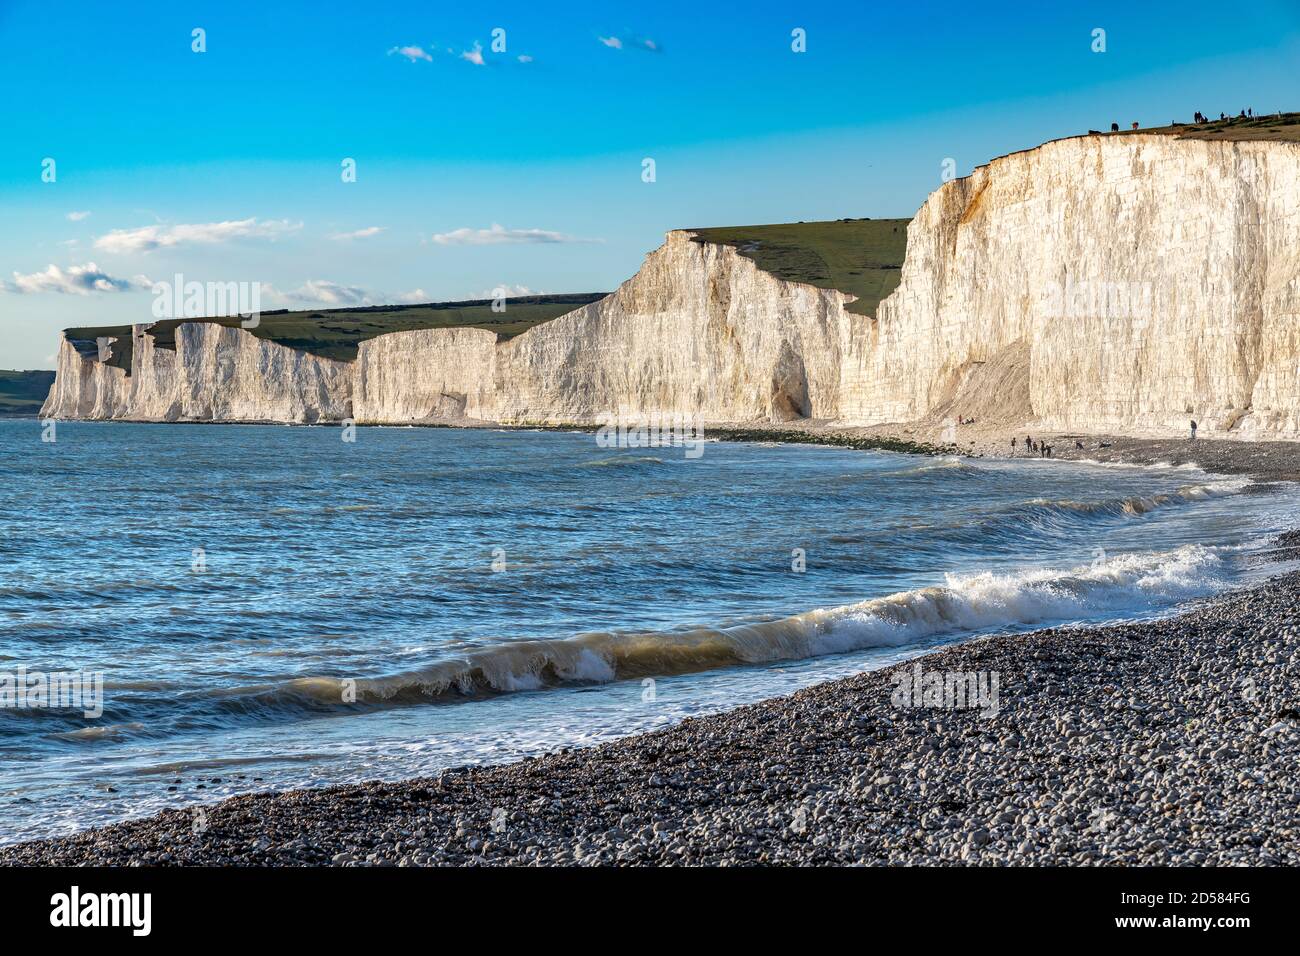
x: 1120, y: 587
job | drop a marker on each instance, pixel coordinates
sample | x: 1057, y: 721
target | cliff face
x: 1106, y: 283
x: 426, y: 375
x: 86, y: 387
x: 699, y: 330
x: 215, y: 374
x: 1152, y: 279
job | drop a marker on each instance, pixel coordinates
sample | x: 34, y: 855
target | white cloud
x: 78, y: 216
x: 327, y: 294
x: 509, y: 291
x: 630, y: 43
x: 324, y: 292
x: 412, y: 53
x: 365, y: 233
x: 499, y: 235
x: 75, y: 280
x: 149, y: 238
x: 475, y: 55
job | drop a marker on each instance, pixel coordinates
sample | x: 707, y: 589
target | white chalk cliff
x: 214, y: 374
x: 1101, y: 283
x: 1148, y: 280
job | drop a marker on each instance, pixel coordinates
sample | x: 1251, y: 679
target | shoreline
x: 1165, y: 742
x: 1265, y: 461
x: 422, y: 821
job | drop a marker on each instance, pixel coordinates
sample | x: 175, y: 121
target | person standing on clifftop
x: 1193, y: 438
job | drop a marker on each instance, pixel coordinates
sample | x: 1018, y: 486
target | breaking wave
x: 1119, y: 587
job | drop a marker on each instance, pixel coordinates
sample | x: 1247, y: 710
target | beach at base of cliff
x: 1264, y: 461
x: 1170, y: 742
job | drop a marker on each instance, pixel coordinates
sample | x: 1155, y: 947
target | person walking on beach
x: 1193, y: 438
x: 1013, y: 446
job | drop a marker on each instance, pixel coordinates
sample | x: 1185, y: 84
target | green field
x: 23, y: 393
x: 335, y: 333
x: 863, y: 257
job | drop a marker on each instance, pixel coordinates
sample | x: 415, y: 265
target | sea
x: 193, y: 611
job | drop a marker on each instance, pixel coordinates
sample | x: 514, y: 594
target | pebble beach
x: 1164, y: 743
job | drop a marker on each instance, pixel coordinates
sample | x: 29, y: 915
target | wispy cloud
x: 78, y: 216
x: 412, y: 53
x: 75, y: 280
x: 475, y: 55
x: 499, y: 235
x: 631, y: 42
x: 365, y: 233
x: 149, y: 238
x: 324, y: 293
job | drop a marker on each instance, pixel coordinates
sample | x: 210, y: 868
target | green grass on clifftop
x: 1274, y: 128
x: 23, y: 393
x: 335, y: 333
x: 863, y: 257
x: 1283, y: 128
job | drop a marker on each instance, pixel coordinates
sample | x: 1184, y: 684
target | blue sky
x: 225, y: 165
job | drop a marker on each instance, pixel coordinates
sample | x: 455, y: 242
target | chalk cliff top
x: 335, y: 333
x: 1273, y: 128
x: 863, y: 257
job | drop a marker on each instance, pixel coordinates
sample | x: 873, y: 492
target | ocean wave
x: 946, y: 466
x: 102, y: 732
x: 1141, y: 504
x: 1115, y: 588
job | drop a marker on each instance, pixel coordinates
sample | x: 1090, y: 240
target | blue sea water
x: 273, y: 607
